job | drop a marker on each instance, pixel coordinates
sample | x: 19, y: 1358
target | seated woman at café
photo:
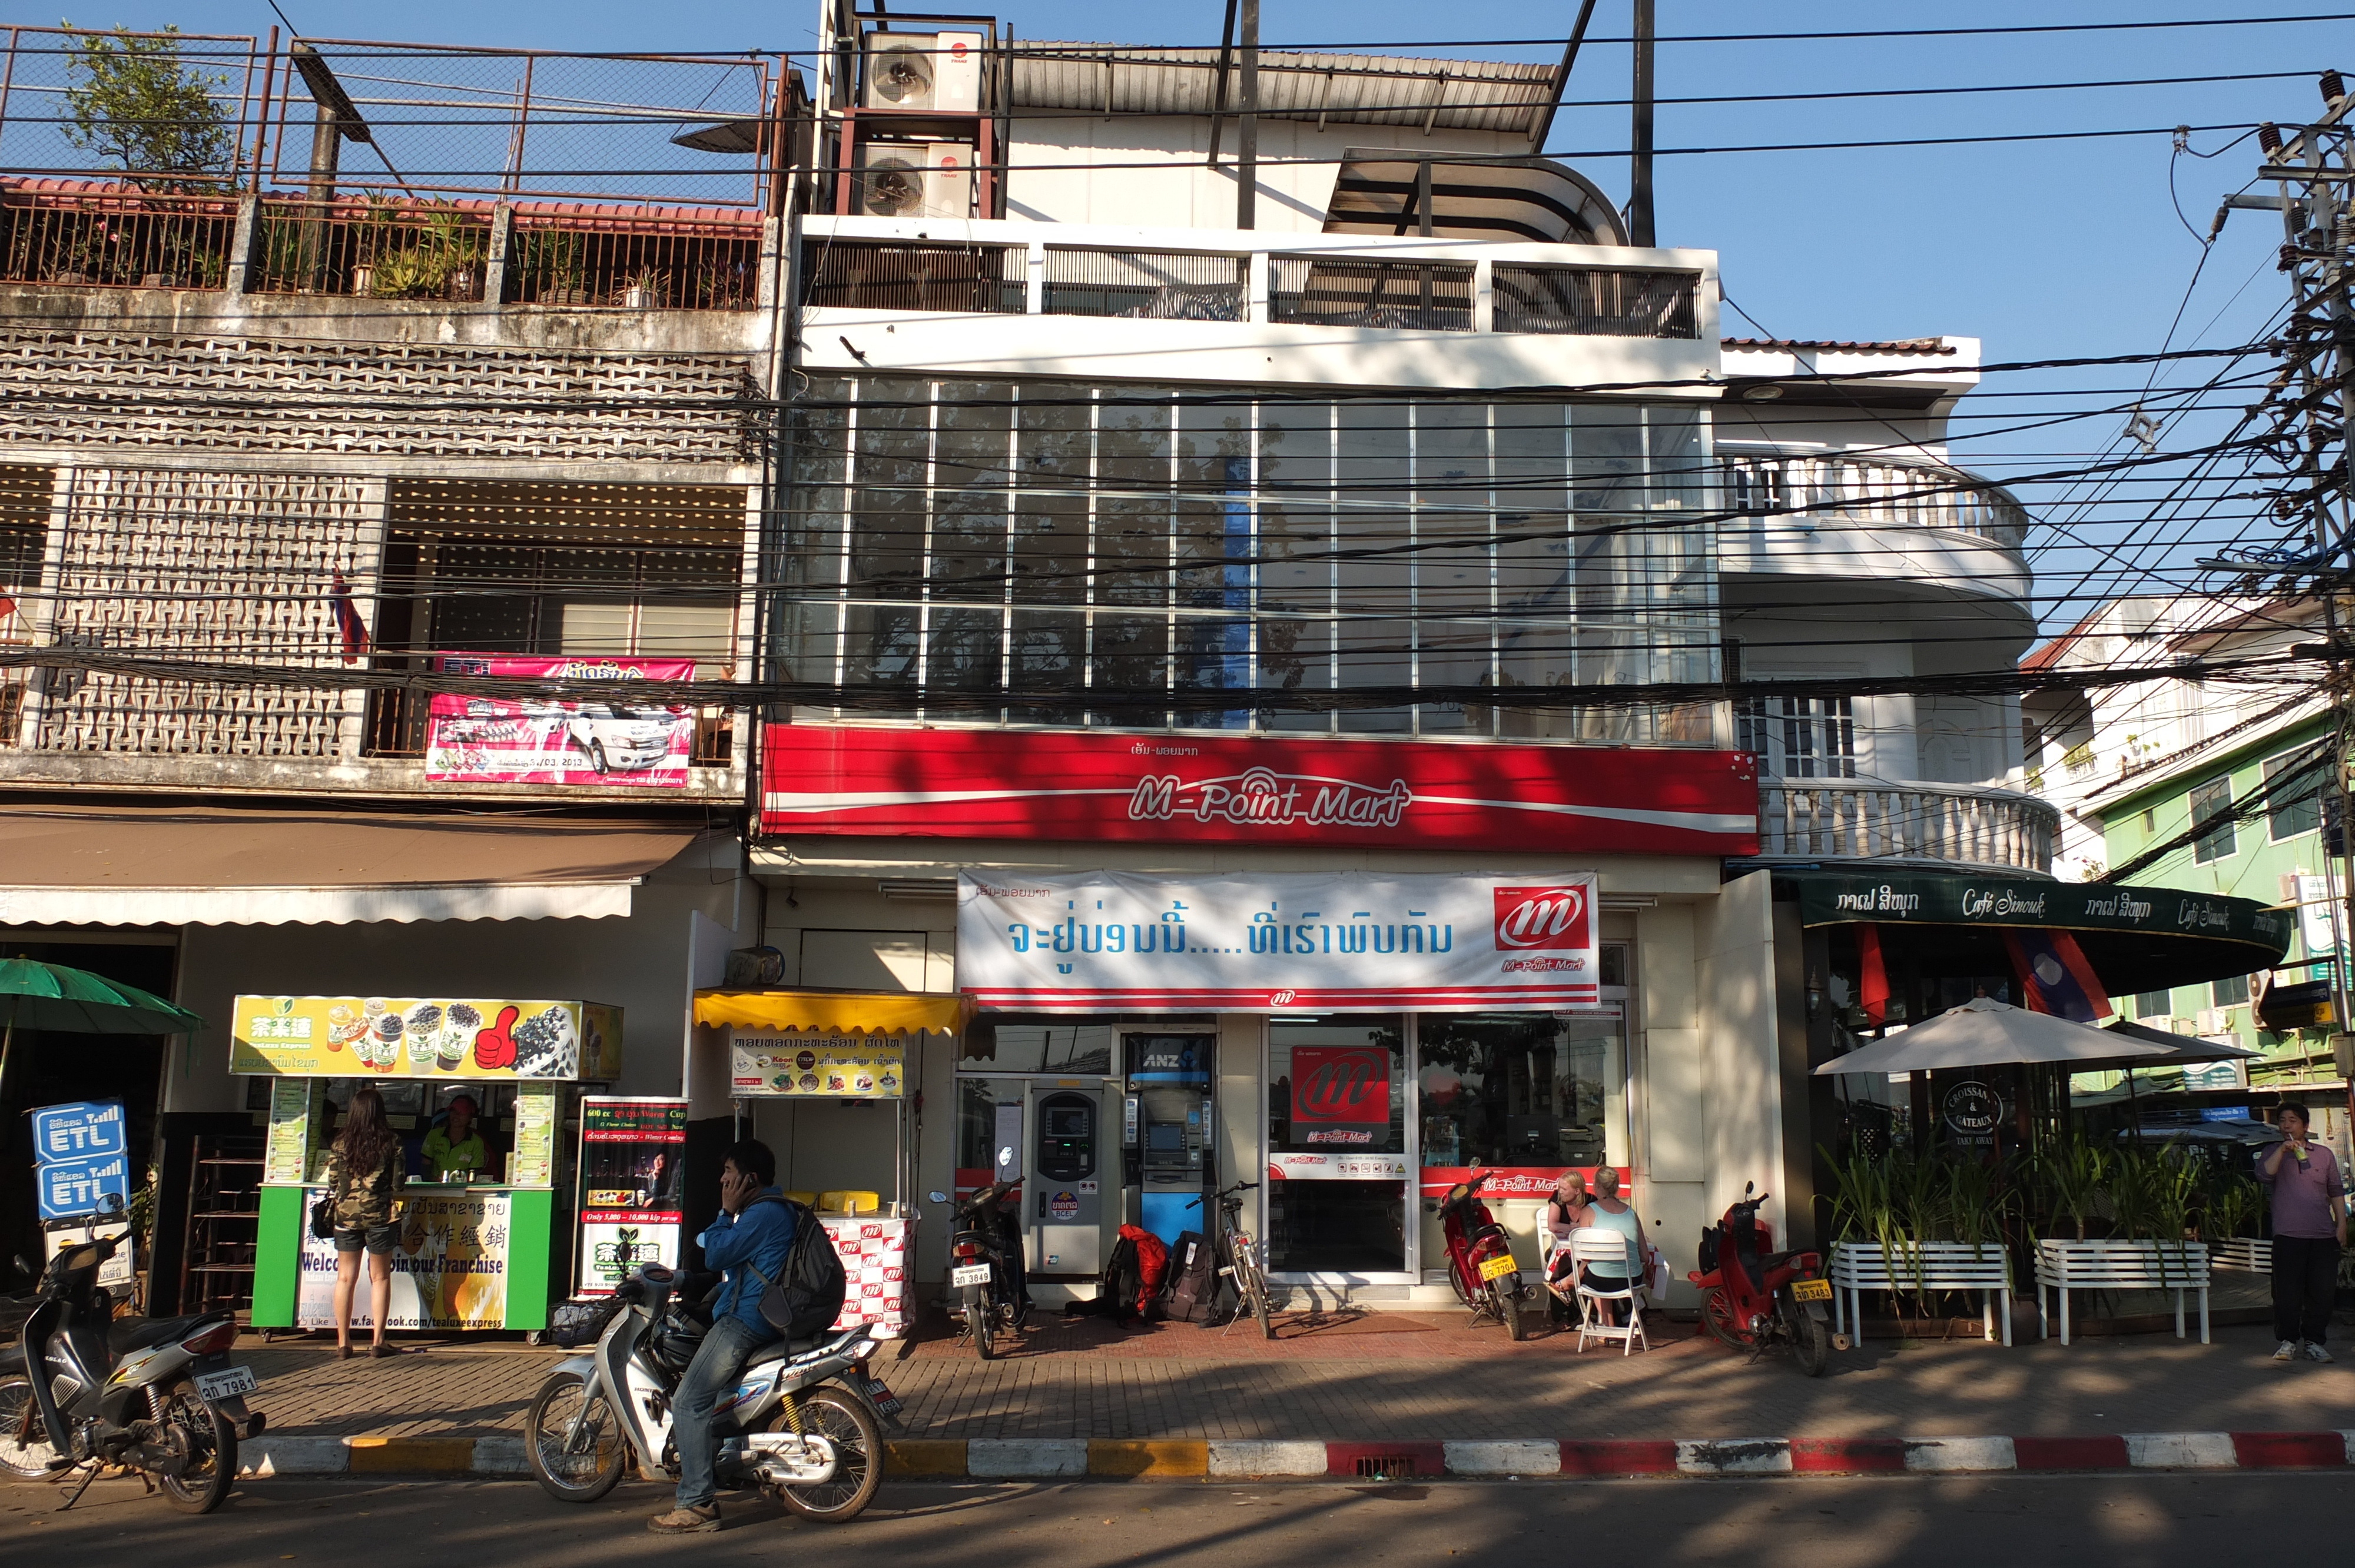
x: 1610, y: 1212
x: 1567, y: 1209
x: 453, y: 1150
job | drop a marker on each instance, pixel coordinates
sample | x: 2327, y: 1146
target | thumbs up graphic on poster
x: 495, y: 1047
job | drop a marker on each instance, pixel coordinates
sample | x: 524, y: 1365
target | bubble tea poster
x: 632, y: 1183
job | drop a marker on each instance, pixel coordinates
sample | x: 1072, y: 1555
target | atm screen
x: 1067, y: 1122
x: 1164, y: 1135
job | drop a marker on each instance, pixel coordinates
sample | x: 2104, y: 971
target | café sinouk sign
x: 904, y: 781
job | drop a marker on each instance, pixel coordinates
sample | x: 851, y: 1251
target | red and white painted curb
x: 1180, y: 1459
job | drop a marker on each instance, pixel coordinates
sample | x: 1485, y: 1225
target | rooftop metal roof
x: 1359, y: 90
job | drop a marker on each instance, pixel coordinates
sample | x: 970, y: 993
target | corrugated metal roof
x: 1357, y: 90
x: 1887, y: 346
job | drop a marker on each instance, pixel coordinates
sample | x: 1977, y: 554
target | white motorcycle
x: 802, y: 1421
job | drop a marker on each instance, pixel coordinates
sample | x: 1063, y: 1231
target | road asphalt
x: 2115, y: 1519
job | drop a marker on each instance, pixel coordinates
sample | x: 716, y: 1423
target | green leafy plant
x: 2070, y: 1180
x: 132, y: 100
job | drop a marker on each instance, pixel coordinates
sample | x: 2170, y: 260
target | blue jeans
x: 719, y: 1362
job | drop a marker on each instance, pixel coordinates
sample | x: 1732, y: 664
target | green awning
x: 2138, y: 938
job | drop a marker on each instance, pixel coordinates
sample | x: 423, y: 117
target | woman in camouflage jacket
x: 365, y: 1166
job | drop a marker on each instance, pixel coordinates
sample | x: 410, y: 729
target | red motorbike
x: 1480, y: 1256
x: 1756, y: 1299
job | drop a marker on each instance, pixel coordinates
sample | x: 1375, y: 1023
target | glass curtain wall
x: 1139, y: 558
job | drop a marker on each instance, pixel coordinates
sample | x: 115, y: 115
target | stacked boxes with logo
x: 874, y: 1253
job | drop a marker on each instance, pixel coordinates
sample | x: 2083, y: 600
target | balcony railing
x: 1872, y: 491
x: 1315, y: 289
x: 1850, y: 818
x: 116, y: 237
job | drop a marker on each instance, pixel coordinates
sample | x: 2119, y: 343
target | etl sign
x: 77, y: 1131
x: 81, y: 1157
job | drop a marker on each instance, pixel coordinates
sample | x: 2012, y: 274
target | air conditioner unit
x: 2214, y: 1021
x: 936, y: 72
x: 915, y: 179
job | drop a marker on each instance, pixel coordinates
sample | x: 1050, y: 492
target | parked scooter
x: 987, y: 1291
x: 1756, y: 1299
x: 801, y: 1420
x: 1480, y: 1263
x: 159, y: 1396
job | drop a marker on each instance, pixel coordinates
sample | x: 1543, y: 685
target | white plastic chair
x: 1606, y: 1246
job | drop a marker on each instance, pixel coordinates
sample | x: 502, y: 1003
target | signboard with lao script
x: 71, y: 1189
x: 79, y: 1130
x: 81, y: 1155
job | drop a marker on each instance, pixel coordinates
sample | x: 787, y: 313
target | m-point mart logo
x: 1539, y: 918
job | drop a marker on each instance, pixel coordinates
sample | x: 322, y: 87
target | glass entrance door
x: 1337, y: 1184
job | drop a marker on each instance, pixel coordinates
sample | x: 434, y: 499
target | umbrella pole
x: 7, y: 1038
x: 2133, y: 1107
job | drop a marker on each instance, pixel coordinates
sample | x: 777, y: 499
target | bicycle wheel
x: 839, y: 1417
x: 568, y: 1469
x: 1251, y: 1284
x: 206, y: 1444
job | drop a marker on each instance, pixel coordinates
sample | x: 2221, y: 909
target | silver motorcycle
x: 85, y: 1389
x: 803, y: 1421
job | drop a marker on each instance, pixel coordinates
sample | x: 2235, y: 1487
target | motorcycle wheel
x: 1463, y: 1293
x: 1717, y: 1317
x: 981, y: 1318
x: 1508, y: 1297
x: 1811, y: 1339
x: 25, y: 1446
x: 573, y: 1477
x: 840, y: 1418
x: 208, y: 1447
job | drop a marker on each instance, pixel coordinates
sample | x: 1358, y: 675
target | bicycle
x: 1241, y: 1261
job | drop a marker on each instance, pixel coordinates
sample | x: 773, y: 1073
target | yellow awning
x: 832, y: 1013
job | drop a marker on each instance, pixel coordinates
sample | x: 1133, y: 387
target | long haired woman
x: 364, y: 1169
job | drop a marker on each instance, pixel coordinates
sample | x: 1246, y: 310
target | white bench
x: 1860, y: 1266
x: 2066, y: 1265
x: 2252, y: 1255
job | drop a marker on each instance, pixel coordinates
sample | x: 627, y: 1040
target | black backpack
x: 806, y: 1299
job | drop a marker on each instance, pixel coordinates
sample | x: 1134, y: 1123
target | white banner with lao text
x: 1336, y: 943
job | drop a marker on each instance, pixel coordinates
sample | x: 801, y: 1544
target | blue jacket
x: 761, y: 1237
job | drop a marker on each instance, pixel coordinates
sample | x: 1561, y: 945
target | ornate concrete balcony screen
x: 1947, y: 824
x: 1873, y: 492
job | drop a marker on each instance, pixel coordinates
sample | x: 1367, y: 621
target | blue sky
x: 2042, y: 249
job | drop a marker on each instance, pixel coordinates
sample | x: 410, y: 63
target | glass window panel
x: 1522, y: 1089
x: 1295, y: 654
x: 1678, y: 475
x: 1131, y: 500
x: 1049, y: 549
x: 2293, y: 799
x: 963, y: 650
x: 2212, y: 803
x: 1213, y: 508
x: 1050, y: 653
x: 882, y: 645
x: 1213, y: 654
x: 1606, y: 444
x: 1130, y: 658
x: 891, y: 454
x: 1336, y: 1227
x: 1452, y: 660
x: 970, y: 492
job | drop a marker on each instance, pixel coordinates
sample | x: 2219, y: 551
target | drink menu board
x: 286, y: 1160
x: 533, y: 1163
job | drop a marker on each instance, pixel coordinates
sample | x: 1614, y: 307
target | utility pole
x: 1639, y: 142
x: 2312, y: 401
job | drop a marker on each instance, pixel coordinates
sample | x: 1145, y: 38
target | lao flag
x: 2054, y: 977
x: 348, y: 621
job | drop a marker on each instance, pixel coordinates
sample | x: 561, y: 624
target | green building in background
x: 2246, y: 815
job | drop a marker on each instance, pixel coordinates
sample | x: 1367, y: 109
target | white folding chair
x: 1610, y: 1248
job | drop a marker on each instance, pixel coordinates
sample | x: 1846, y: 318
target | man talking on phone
x: 2309, y: 1205
x: 747, y: 1237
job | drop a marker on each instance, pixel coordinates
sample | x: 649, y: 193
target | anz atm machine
x: 1165, y: 1132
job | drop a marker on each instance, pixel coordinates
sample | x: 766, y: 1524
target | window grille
x: 1594, y: 302
x: 1416, y: 296
x: 1798, y: 738
x: 1146, y: 285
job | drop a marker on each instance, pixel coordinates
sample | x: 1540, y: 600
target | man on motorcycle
x: 748, y: 1238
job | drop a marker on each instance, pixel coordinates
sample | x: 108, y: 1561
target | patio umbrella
x: 51, y: 996
x: 1985, y: 1034
x: 2176, y: 1049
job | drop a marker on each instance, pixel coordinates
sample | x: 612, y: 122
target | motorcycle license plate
x: 969, y: 1274
x: 1498, y: 1268
x: 1811, y: 1291
x: 883, y: 1398
x: 226, y: 1384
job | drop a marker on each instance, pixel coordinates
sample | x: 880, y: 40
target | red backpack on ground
x: 1152, y: 1263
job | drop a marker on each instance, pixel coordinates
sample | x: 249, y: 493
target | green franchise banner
x: 1934, y: 899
